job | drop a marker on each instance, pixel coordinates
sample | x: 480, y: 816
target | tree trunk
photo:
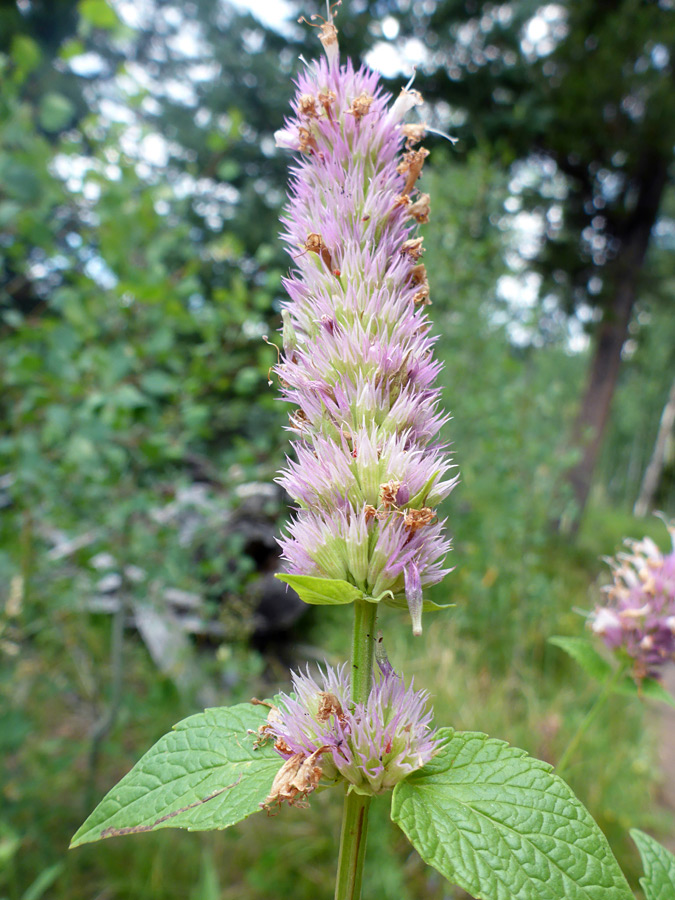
x: 603, y: 375
x: 652, y: 476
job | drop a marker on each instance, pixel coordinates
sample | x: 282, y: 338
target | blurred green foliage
x: 135, y: 291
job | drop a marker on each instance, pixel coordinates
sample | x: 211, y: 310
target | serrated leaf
x: 205, y: 774
x: 659, y: 865
x: 321, y: 591
x: 502, y: 826
x: 585, y: 653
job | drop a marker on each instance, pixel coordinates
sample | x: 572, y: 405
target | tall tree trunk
x: 652, y: 476
x: 603, y: 374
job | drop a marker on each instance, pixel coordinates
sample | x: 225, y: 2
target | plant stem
x: 363, y: 644
x: 610, y: 683
x: 355, y: 812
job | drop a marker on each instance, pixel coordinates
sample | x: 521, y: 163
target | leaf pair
x: 491, y: 819
x: 334, y: 592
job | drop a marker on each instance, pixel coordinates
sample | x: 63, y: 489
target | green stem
x: 363, y: 647
x: 610, y: 683
x: 355, y: 812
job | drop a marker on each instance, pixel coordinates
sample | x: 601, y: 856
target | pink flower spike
x: 357, y: 362
x: 638, y: 618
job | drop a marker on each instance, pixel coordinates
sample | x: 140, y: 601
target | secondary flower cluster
x: 639, y: 617
x: 357, y: 355
x: 320, y: 733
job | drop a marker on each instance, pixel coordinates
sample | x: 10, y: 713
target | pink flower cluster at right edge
x: 357, y: 358
x: 639, y: 617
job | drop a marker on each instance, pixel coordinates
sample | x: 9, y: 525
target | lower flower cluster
x: 320, y: 733
x: 639, y: 617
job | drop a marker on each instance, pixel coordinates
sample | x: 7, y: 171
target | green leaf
x: 127, y: 396
x: 158, y: 383
x: 71, y: 48
x: 205, y: 774
x: 56, y: 112
x: 26, y: 55
x: 98, y: 14
x: 501, y: 826
x: 321, y: 591
x: 9, y: 210
x: 585, y: 653
x: 650, y: 687
x: 659, y: 865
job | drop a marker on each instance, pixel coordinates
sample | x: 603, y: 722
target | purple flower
x: 372, y: 745
x: 639, y: 617
x: 357, y: 357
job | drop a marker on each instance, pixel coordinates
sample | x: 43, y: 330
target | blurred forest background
x: 140, y: 272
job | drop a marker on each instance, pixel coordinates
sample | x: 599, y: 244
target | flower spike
x: 357, y: 361
x: 638, y: 620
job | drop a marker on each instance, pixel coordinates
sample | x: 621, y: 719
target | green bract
x: 321, y: 591
x: 333, y: 591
